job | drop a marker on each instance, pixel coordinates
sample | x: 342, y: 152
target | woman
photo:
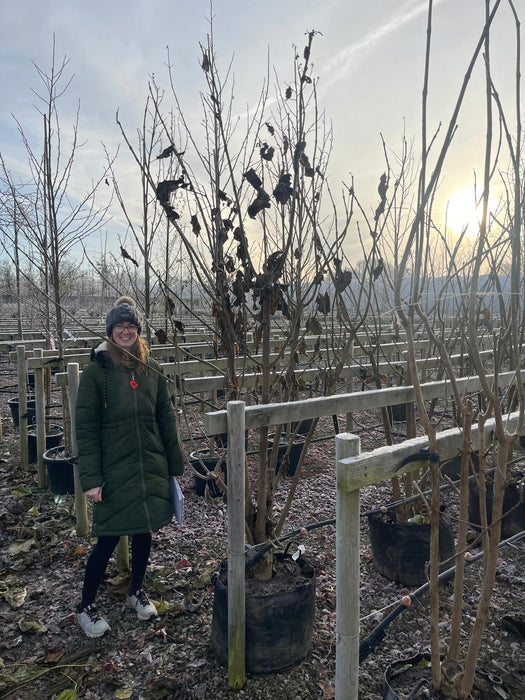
x: 127, y: 450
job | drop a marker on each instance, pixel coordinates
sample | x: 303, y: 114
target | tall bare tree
x: 48, y: 209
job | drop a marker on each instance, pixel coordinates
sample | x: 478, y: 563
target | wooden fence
x: 350, y: 478
x: 185, y: 375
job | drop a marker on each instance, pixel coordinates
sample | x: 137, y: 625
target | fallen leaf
x: 204, y: 577
x: 20, y: 491
x: 21, y: 546
x: 165, y: 607
x: 53, y: 656
x: 14, y: 596
x: 182, y: 564
x: 328, y: 691
x: 69, y: 694
x: 30, y: 624
x: 68, y: 620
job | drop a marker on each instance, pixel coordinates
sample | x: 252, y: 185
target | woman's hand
x: 95, y: 494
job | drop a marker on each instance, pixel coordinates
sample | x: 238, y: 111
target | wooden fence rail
x: 38, y: 360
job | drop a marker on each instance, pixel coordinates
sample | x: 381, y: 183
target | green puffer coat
x: 127, y: 443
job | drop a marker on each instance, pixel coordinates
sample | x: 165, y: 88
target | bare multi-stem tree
x: 468, y: 319
x: 245, y: 197
x: 47, y: 211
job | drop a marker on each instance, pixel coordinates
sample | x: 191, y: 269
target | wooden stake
x: 236, y: 553
x: 347, y: 576
x: 80, y: 498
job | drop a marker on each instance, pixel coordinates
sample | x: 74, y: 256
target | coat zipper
x: 133, y: 385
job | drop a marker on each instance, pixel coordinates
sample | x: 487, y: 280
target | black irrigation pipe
x: 372, y: 640
x: 11, y: 389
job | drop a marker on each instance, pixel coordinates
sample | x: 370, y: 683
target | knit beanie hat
x: 123, y: 311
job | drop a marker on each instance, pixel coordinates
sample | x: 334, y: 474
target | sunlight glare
x: 462, y: 212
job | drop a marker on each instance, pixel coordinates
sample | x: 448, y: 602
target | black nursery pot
x: 511, y: 524
x: 452, y: 467
x: 401, y: 550
x: 60, y: 470
x: 201, y: 459
x: 279, y: 624
x: 302, y: 427
x: 15, y: 411
x: 293, y: 456
x: 398, y: 413
x: 53, y: 439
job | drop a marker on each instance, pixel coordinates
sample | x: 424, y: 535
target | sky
x: 368, y: 56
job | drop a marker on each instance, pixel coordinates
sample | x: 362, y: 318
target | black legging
x: 100, y: 556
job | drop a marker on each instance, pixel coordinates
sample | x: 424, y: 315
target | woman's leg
x: 96, y: 568
x: 140, y: 550
x: 138, y: 599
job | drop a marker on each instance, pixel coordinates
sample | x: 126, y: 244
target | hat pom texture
x: 124, y: 311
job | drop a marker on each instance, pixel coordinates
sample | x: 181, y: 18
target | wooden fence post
x: 236, y: 553
x: 80, y: 498
x: 347, y: 577
x: 40, y: 419
x: 22, y: 404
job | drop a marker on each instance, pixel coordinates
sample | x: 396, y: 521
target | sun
x: 462, y: 213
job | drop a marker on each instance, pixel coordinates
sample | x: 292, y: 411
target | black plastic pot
x: 60, y: 470
x: 15, y: 411
x: 512, y: 523
x: 401, y: 550
x: 302, y: 427
x: 54, y: 438
x: 398, y: 413
x: 293, y: 455
x: 202, y: 460
x: 452, y: 467
x: 279, y: 624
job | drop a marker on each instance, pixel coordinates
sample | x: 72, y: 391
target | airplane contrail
x: 341, y: 60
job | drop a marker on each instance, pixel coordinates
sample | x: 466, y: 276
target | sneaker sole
x: 94, y: 636
x: 91, y: 635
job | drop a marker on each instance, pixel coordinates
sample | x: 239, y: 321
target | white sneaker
x: 91, y: 622
x: 140, y: 602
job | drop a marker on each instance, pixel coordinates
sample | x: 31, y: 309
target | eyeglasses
x: 121, y: 327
